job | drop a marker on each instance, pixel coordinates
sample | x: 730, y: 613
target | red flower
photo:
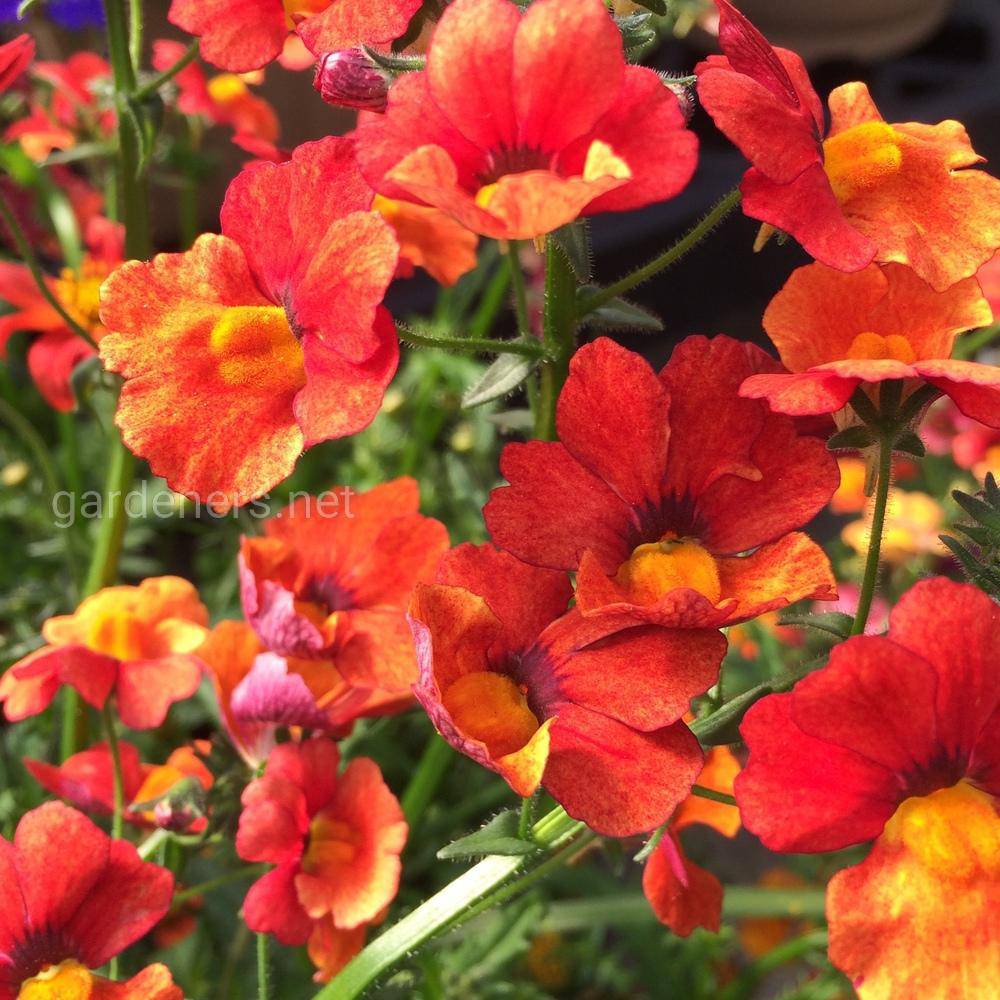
x: 660, y: 528
x: 15, y: 58
x: 332, y: 576
x: 909, y: 758
x: 869, y: 190
x: 136, y: 642
x: 57, y: 350
x: 684, y: 895
x: 542, y: 696
x: 224, y: 99
x: 241, y: 35
x: 522, y: 122
x: 335, y: 841
x: 274, y: 328
x: 70, y: 900
x: 836, y: 331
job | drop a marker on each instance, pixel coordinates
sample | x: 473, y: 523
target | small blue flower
x: 72, y: 14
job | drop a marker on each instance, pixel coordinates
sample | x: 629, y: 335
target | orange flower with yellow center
x: 835, y: 332
x: 910, y: 760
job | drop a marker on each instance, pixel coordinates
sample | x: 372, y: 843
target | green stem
x: 875, y: 543
x: 204, y: 888
x: 118, y: 816
x: 710, y: 793
x: 490, y: 304
x: 428, y: 774
x: 489, y: 880
x: 469, y: 344
x: 263, y: 969
x: 671, y: 256
x: 135, y: 34
x: 31, y: 261
x: 559, y: 336
x: 527, y: 816
x: 103, y: 568
x: 520, y: 292
x: 152, y: 86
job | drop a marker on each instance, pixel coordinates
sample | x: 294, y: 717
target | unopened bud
x: 349, y: 79
x: 181, y: 806
x: 683, y: 91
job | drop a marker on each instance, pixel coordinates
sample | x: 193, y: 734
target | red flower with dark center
x: 909, y: 756
x: 524, y: 121
x: 674, y: 499
x: 70, y: 900
x: 545, y: 696
x: 864, y: 190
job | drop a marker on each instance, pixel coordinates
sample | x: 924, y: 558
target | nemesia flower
x: 864, y: 190
x: 241, y: 35
x: 260, y: 692
x: 522, y: 122
x: 331, y: 948
x: 589, y: 708
x: 682, y: 894
x: 946, y: 430
x: 691, y: 524
x: 275, y: 328
x: 913, y: 522
x: 15, y: 58
x: 165, y: 786
x: 332, y: 575
x: 80, y: 106
x: 349, y: 79
x: 133, y: 642
x: 335, y: 840
x: 909, y: 759
x: 428, y: 238
x: 71, y: 898
x: 86, y: 779
x: 223, y: 99
x: 836, y: 331
x: 55, y: 353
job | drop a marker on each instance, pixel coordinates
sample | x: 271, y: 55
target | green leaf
x: 979, y: 511
x: 656, y: 6
x: 499, y: 836
x: 574, y: 242
x: 501, y: 378
x: 851, y: 439
x: 835, y: 622
x: 618, y: 314
x: 910, y: 444
x: 636, y: 30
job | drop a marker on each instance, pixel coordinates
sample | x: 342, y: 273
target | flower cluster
x: 638, y: 625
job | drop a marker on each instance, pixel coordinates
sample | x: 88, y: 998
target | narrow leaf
x: 835, y: 622
x: 502, y: 377
x: 499, y: 836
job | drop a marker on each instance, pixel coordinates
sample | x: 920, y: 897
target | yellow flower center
x: 954, y: 831
x: 117, y: 634
x: 256, y: 347
x: 227, y: 88
x: 79, y: 293
x: 66, y: 981
x: 874, y: 347
x: 297, y: 10
x: 659, y: 567
x: 333, y: 845
x: 861, y: 158
x: 491, y: 708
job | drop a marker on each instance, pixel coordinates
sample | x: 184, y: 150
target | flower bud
x: 349, y: 79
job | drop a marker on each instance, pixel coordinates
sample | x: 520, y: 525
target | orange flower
x: 862, y: 191
x: 913, y: 522
x: 136, y: 642
x: 57, y: 350
x: 262, y: 341
x: 836, y: 331
x: 335, y: 841
x: 525, y: 120
x: 240, y: 35
x: 223, y: 99
x: 682, y: 894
